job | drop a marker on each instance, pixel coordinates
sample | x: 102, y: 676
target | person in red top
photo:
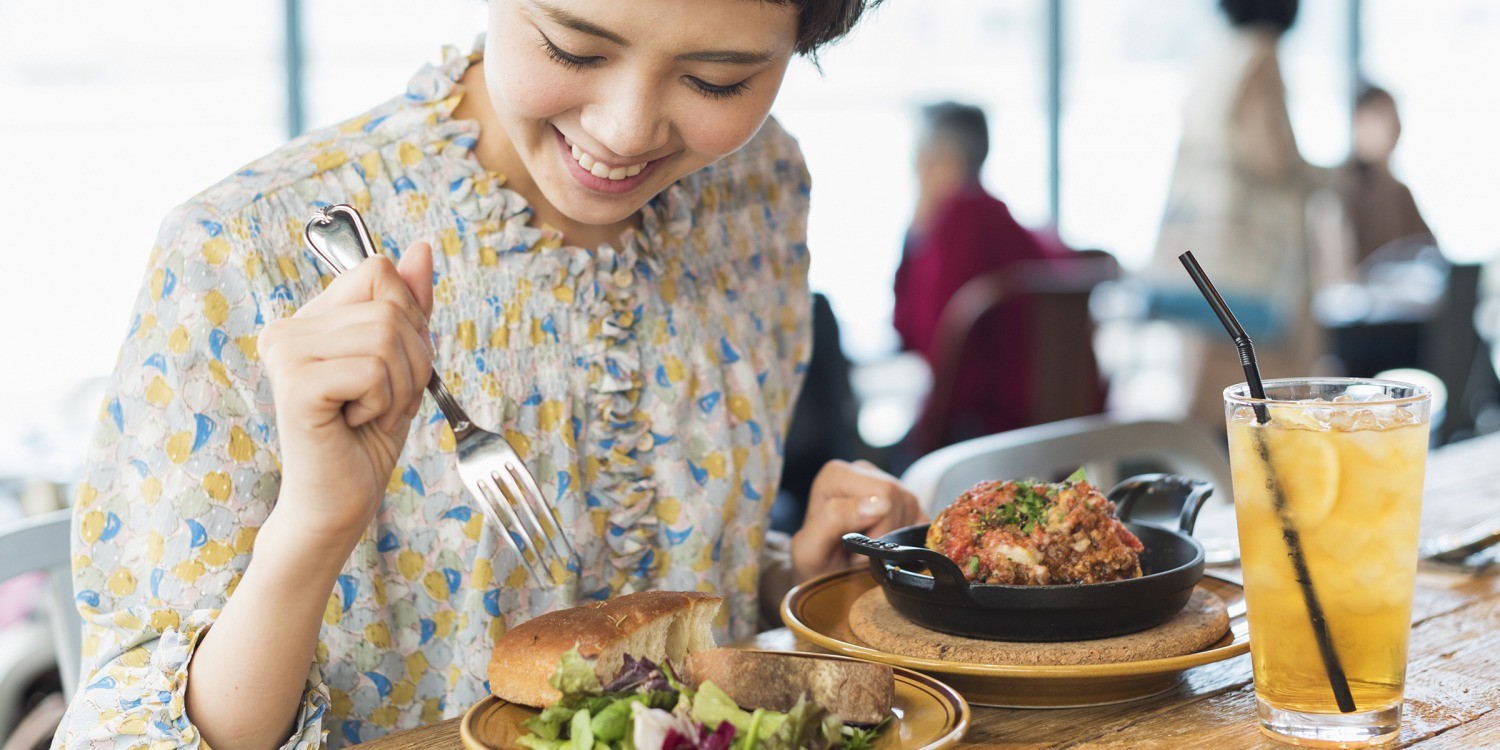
x: 959, y: 232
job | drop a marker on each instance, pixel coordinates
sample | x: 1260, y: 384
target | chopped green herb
x: 1026, y: 510
x: 973, y: 566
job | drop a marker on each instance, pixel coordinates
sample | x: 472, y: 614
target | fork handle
x: 458, y: 419
x: 339, y: 236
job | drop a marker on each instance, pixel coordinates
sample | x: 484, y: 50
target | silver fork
x: 488, y: 465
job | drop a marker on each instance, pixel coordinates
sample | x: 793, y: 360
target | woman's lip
x: 601, y: 184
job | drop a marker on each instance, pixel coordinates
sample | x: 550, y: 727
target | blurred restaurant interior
x: 116, y: 112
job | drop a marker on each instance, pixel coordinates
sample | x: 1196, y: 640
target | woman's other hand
x: 347, y: 373
x: 848, y: 497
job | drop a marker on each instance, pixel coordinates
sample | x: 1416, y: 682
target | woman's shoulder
x: 356, y: 142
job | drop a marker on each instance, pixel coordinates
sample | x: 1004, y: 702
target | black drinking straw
x: 1336, y: 678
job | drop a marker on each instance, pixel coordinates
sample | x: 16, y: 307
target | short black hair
x: 962, y: 125
x: 820, y: 22
x: 1277, y: 14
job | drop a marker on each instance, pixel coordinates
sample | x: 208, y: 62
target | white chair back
x: 1098, y: 443
x: 42, y: 544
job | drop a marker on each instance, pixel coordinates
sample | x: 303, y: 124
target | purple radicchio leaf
x: 720, y: 739
x: 638, y: 675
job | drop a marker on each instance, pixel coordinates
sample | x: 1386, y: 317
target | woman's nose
x: 630, y: 123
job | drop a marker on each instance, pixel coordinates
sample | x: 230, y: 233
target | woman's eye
x: 565, y: 59
x: 714, y: 91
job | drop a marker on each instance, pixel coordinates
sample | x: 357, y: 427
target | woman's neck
x: 497, y: 154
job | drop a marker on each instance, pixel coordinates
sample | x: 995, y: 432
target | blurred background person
x: 1239, y: 200
x: 1378, y: 206
x: 959, y: 232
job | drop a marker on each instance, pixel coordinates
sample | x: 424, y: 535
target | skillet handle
x: 1184, y: 492
x: 945, y: 573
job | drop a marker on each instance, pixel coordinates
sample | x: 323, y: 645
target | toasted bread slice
x: 656, y: 625
x: 859, y: 692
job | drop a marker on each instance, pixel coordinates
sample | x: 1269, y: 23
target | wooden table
x: 1453, y: 677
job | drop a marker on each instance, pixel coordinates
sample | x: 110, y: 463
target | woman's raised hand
x: 347, y: 374
x: 848, y: 497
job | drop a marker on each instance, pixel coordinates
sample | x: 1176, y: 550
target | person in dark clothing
x: 959, y: 232
x: 824, y: 422
x: 1380, y: 208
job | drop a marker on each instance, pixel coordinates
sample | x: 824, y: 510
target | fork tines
x: 535, y: 527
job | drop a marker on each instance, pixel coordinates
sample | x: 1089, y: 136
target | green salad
x: 645, y: 707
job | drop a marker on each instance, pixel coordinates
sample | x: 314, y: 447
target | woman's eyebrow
x: 579, y: 24
x: 735, y: 57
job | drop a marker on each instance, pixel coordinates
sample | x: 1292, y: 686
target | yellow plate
x: 818, y: 612
x: 927, y: 715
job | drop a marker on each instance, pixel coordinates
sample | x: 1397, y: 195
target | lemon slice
x: 1307, y: 470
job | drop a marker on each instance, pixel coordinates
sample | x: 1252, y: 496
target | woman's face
x: 607, y: 103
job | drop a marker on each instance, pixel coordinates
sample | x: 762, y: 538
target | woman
x: 618, y: 285
x: 1243, y: 200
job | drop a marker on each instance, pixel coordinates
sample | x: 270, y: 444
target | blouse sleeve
x: 182, y: 472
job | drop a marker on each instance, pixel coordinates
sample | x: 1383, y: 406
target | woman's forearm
x: 248, y: 675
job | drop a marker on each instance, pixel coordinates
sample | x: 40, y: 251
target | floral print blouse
x: 648, y: 387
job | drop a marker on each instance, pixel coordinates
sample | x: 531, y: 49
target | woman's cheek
x: 724, y: 128
x: 536, y: 90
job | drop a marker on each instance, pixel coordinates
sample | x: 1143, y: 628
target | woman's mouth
x: 601, y: 176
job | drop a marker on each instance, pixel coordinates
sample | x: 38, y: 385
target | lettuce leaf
x: 575, y: 674
x: 712, y: 707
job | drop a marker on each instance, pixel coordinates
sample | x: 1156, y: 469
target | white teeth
x: 599, y: 168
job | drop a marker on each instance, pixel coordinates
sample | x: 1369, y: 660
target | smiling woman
x: 601, y: 246
x: 602, y: 105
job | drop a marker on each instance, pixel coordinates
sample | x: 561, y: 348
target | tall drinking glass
x: 1336, y: 470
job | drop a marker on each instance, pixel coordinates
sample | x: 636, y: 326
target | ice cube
x: 1341, y: 419
x: 1365, y: 419
x: 1343, y: 398
x: 1243, y: 415
x: 1407, y: 415
x: 1379, y: 396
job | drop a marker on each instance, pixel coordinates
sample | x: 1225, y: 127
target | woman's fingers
x: 415, y: 270
x: 357, y: 387
x: 849, y: 497
x: 376, y: 330
x: 374, y: 279
x: 365, y: 329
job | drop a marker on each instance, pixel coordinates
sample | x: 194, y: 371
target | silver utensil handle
x: 339, y: 236
x: 458, y: 419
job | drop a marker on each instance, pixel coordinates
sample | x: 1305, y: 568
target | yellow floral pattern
x: 648, y: 386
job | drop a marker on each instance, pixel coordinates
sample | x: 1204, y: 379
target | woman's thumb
x: 416, y: 270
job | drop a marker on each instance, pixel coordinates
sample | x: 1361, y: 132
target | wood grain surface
x: 1453, y: 677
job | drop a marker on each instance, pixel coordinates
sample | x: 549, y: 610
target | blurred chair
x: 39, y: 544
x: 1064, y: 374
x: 1107, y: 448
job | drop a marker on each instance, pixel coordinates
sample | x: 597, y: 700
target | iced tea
x: 1346, y: 458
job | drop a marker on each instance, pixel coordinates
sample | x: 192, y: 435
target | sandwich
x: 641, y: 671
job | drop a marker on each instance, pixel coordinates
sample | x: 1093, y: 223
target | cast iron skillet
x: 1171, y: 565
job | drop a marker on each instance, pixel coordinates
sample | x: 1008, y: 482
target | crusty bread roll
x: 656, y: 625
x: 859, y: 692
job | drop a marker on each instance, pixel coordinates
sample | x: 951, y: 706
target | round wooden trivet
x: 1202, y: 622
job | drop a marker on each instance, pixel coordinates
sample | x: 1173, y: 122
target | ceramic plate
x: 818, y: 612
x: 927, y: 715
